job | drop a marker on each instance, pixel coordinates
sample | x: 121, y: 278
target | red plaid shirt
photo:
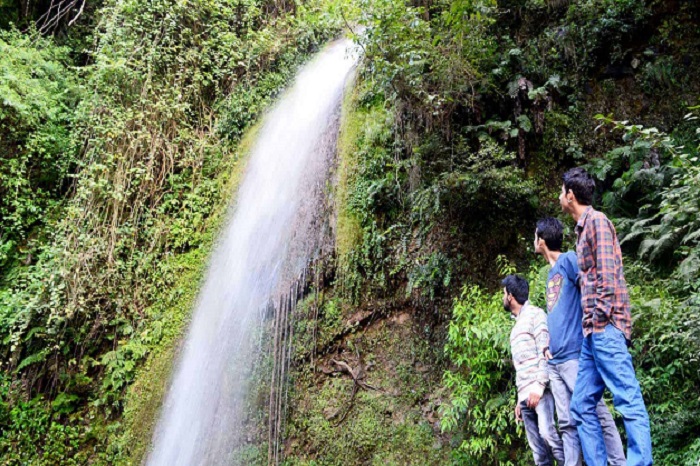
x: 604, y: 296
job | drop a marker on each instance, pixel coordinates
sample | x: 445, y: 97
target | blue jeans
x: 606, y: 362
x: 541, y: 432
x: 562, y: 379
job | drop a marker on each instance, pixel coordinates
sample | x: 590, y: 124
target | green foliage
x: 358, y: 441
x: 402, y: 200
x: 250, y: 455
x: 465, y: 112
x: 481, y: 387
x: 428, y: 58
x: 370, y: 184
x: 147, y: 380
x: 666, y: 353
x: 41, y: 434
x: 323, y: 321
x: 652, y: 189
x: 148, y: 179
x: 654, y: 193
x: 655, y: 189
x: 169, y: 91
x: 431, y: 276
x: 38, y: 95
x: 479, y: 111
x: 575, y: 37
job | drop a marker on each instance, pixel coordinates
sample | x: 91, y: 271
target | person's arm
x: 573, y: 271
x: 541, y: 335
x: 605, y: 266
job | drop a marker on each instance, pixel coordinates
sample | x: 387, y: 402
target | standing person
x: 607, y: 329
x: 564, y: 315
x: 528, y: 339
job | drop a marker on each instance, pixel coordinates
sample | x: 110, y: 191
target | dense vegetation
x: 121, y: 137
x: 116, y: 170
x: 466, y: 114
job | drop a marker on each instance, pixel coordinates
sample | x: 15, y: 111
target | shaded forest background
x: 123, y: 130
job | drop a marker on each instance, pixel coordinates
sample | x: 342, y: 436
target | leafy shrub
x: 481, y: 387
x: 32, y: 433
x: 666, y: 354
x: 431, y: 276
x: 38, y: 95
x: 656, y: 192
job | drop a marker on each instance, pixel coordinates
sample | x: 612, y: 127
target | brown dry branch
x: 58, y: 10
x: 358, y: 375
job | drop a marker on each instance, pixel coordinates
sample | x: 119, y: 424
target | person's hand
x: 533, y: 400
x: 518, y: 413
x: 547, y: 355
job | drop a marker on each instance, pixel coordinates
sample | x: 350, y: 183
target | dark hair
x: 551, y: 231
x: 518, y: 287
x: 581, y: 184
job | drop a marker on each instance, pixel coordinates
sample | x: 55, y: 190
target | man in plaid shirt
x: 607, y: 329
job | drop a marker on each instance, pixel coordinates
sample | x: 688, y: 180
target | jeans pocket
x: 611, y: 342
x: 613, y: 332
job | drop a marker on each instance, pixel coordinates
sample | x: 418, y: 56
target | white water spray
x: 269, y: 238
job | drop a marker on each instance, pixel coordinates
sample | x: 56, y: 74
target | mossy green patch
x: 348, y: 228
x: 171, y: 315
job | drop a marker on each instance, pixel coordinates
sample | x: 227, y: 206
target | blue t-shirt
x: 564, y: 313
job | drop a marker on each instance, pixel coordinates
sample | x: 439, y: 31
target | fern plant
x: 656, y: 192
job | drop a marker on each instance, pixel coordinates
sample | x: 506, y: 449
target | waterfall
x: 271, y: 234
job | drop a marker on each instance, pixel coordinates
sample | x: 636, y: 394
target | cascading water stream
x: 270, y: 236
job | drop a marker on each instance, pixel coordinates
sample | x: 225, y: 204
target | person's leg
x: 540, y: 452
x: 611, y: 437
x: 615, y: 365
x: 588, y: 391
x: 548, y: 431
x: 562, y: 401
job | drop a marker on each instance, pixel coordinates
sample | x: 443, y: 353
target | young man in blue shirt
x: 564, y: 317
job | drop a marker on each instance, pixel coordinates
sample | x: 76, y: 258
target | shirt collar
x: 522, y: 309
x: 582, y: 219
